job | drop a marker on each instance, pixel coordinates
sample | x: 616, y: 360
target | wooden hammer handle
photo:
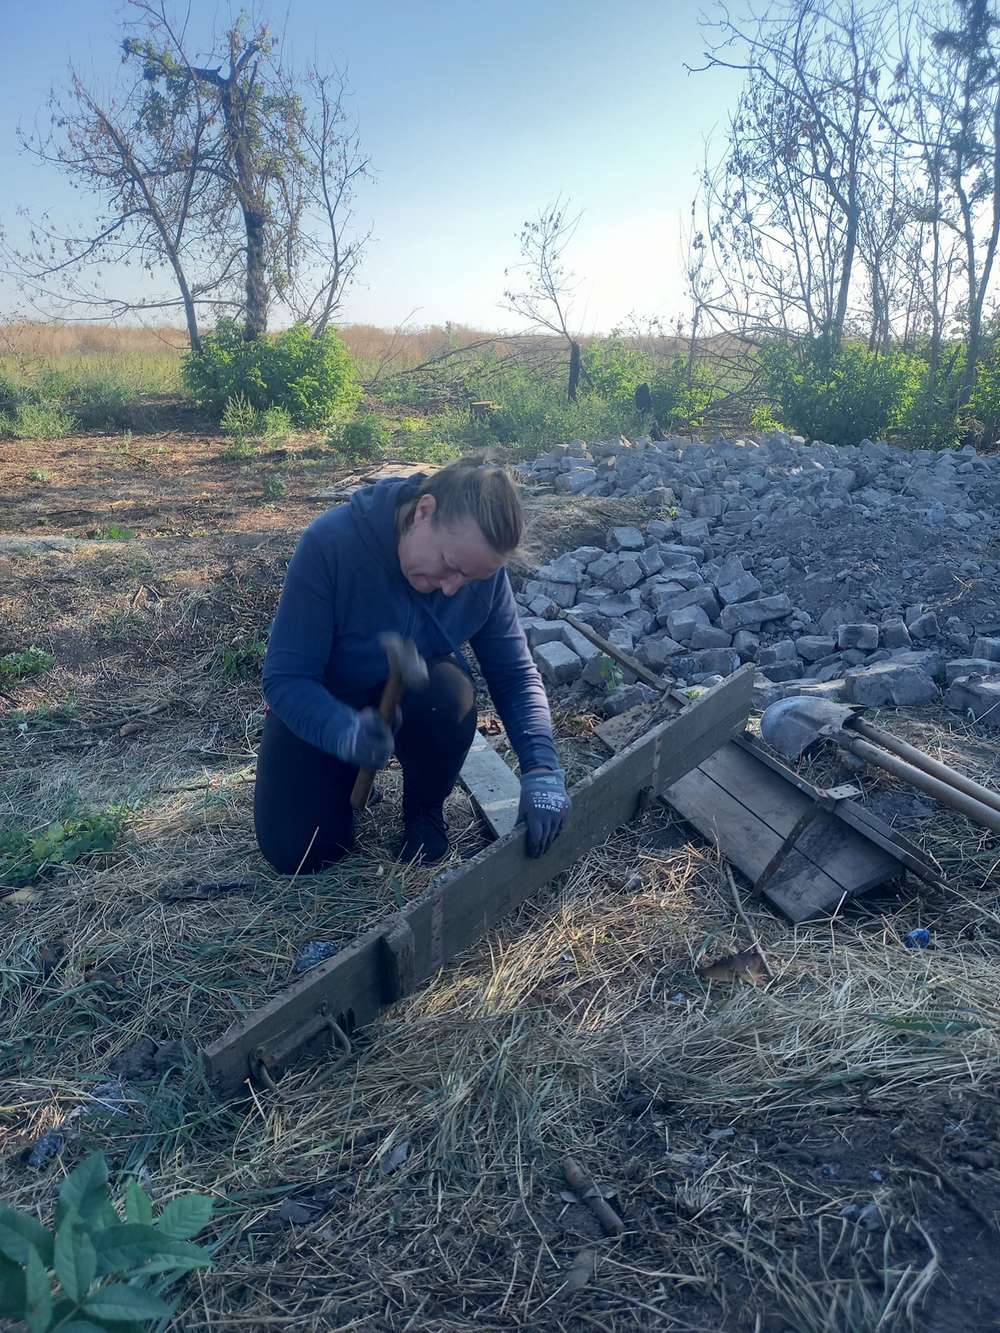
x: 388, y: 704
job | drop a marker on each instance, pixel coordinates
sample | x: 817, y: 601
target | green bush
x: 839, y: 395
x: 982, y: 412
x: 361, y: 440
x: 614, y: 370
x: 242, y: 423
x: 90, y: 1248
x: 680, y: 399
x: 312, y: 379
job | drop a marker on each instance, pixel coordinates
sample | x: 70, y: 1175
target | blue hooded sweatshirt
x: 344, y: 587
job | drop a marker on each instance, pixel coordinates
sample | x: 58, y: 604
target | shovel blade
x: 790, y: 726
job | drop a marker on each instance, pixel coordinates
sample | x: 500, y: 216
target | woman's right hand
x: 366, y: 742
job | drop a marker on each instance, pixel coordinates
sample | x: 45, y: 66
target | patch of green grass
x: 26, y: 854
x: 45, y: 420
x: 39, y: 474
x: 113, y: 532
x: 31, y: 662
x: 45, y: 715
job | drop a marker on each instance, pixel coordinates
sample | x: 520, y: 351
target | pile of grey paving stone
x: 869, y: 574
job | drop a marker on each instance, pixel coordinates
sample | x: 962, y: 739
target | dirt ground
x: 818, y: 1153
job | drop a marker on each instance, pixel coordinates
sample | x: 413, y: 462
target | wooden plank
x: 844, y: 854
x: 854, y: 813
x: 831, y: 860
x: 750, y: 844
x: 749, y: 808
x: 458, y: 907
x: 493, y: 786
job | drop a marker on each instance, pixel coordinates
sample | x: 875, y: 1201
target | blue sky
x: 476, y: 114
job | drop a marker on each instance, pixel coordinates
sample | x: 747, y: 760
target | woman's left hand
x: 544, y: 807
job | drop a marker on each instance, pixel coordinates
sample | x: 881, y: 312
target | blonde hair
x: 481, y: 491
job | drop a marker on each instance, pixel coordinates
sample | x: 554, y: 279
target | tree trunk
x: 574, y: 370
x: 255, y: 320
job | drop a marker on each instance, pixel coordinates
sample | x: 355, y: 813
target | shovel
x: 791, y: 726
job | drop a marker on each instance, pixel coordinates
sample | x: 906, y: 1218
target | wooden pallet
x: 749, y: 803
x: 460, y: 906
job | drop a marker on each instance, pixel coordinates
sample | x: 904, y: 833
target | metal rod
x: 626, y: 659
x: 916, y: 777
x: 921, y: 760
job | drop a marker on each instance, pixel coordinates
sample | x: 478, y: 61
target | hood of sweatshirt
x: 373, y: 512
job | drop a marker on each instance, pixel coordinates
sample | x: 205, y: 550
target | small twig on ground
x: 754, y: 941
x: 581, y: 1184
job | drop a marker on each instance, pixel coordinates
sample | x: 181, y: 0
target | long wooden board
x: 460, y: 906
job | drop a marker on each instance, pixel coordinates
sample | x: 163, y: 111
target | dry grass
x: 420, y: 1186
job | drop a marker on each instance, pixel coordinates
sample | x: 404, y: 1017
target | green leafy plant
x: 273, y: 487
x: 25, y: 855
x: 311, y: 378
x: 99, y: 1263
x: 239, y: 660
x: 241, y: 422
x: 276, y: 425
x: 38, y: 474
x: 361, y: 440
x: 30, y: 662
x: 113, y: 532
x: 682, y: 397
x: 762, y: 419
x: 611, y: 675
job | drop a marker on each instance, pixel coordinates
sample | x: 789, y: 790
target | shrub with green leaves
x: 30, y: 662
x: 614, y: 370
x: 982, y: 413
x: 840, y: 395
x: 361, y: 440
x: 108, y: 1273
x: 311, y: 378
x: 682, y: 395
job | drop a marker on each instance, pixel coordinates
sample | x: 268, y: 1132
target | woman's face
x: 443, y: 557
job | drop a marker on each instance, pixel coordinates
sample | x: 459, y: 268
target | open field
x: 419, y: 1187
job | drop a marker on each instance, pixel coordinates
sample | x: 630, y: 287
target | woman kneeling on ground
x: 423, y: 557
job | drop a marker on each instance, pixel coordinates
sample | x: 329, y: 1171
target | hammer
x: 407, y: 671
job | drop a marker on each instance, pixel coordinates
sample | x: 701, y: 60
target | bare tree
x: 803, y: 162
x: 546, y: 294
x: 230, y: 174
x: 962, y: 89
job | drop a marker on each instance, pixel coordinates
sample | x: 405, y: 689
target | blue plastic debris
x: 43, y: 1150
x: 918, y: 939
x: 316, y: 951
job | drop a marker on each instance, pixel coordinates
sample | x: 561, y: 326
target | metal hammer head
x: 404, y: 660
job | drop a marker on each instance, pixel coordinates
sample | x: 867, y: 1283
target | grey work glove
x: 366, y: 742
x: 544, y: 807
